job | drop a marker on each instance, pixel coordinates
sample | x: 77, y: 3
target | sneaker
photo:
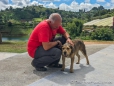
x: 32, y: 64
x: 41, y: 69
x: 55, y: 66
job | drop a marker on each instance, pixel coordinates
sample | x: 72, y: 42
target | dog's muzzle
x: 65, y: 54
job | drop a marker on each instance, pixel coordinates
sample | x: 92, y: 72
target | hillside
x: 21, y: 21
x: 30, y: 12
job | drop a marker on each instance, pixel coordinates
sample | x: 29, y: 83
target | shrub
x: 102, y: 34
x: 75, y: 28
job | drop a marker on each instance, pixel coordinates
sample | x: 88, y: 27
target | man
x: 43, y: 46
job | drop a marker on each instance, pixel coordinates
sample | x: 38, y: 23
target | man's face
x: 56, y: 24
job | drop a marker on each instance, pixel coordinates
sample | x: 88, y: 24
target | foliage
x: 75, y: 27
x: 22, y: 20
x: 102, y: 34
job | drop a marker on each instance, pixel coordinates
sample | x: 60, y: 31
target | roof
x: 101, y: 22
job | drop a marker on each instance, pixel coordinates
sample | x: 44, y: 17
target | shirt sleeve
x: 61, y: 30
x: 43, y: 34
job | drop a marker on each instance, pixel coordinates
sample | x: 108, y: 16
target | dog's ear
x: 71, y: 47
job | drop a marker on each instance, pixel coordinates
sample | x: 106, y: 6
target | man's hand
x: 70, y: 41
x: 59, y: 43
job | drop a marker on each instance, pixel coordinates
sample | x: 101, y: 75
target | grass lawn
x: 20, y: 46
x: 13, y: 46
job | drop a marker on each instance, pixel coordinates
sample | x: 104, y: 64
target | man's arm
x: 68, y: 39
x: 66, y: 35
x: 48, y: 45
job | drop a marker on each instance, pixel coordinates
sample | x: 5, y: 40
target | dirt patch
x: 98, y: 42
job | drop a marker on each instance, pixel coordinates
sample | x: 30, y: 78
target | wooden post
x: 0, y: 37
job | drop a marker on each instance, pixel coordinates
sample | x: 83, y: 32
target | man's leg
x: 45, y: 57
x: 62, y: 39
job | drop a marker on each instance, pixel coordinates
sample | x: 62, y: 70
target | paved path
x: 4, y: 55
x: 99, y: 73
x: 16, y: 70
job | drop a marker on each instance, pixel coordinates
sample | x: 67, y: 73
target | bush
x: 75, y: 28
x: 102, y: 34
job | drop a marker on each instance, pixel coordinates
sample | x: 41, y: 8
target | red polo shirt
x: 41, y: 33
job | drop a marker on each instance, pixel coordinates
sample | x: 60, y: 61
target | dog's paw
x: 77, y: 63
x: 87, y: 63
x: 62, y: 69
x: 71, y: 71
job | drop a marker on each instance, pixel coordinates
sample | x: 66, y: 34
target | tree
x: 75, y: 27
x: 72, y: 29
x: 11, y: 8
x: 100, y: 8
x: 94, y: 8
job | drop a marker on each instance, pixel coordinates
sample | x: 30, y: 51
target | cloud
x: 21, y: 2
x: 34, y: 3
x: 4, y: 1
x: 2, y: 6
x: 74, y: 6
x: 107, y: 4
x: 51, y: 5
x: 48, y: 0
x: 112, y: 1
x: 87, y: 1
x: 45, y: 0
x: 65, y: 7
x: 100, y: 0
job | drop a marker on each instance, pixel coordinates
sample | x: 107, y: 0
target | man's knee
x: 58, y: 53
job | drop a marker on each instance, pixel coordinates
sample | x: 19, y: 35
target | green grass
x: 37, y: 19
x: 20, y: 46
x: 13, y: 46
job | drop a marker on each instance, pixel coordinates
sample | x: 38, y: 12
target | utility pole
x: 113, y: 25
x: 0, y: 29
x: 0, y: 37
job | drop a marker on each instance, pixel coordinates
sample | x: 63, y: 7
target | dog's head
x: 66, y: 49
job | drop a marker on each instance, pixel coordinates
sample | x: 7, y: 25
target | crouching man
x: 42, y: 45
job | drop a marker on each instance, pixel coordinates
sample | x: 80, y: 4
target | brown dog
x: 71, y: 51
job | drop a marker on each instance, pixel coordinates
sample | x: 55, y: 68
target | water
x: 14, y: 38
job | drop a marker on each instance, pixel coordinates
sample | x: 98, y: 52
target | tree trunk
x: 0, y: 37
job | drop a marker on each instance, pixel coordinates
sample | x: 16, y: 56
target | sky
x: 67, y: 5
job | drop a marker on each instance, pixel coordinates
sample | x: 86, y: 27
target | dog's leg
x: 71, y: 66
x: 63, y: 61
x: 85, y: 54
x: 78, y: 58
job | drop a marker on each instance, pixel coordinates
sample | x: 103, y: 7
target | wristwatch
x: 69, y: 38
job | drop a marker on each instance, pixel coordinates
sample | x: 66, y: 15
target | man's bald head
x: 54, y: 17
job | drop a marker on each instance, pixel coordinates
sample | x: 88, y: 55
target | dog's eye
x: 62, y: 48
